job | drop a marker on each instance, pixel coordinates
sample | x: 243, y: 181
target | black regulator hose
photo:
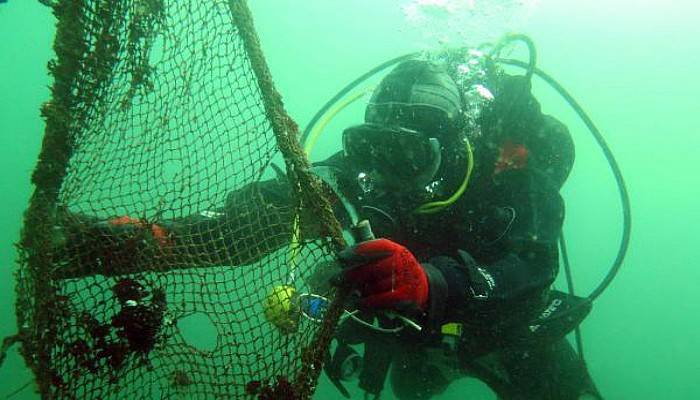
x: 570, y: 286
x: 494, y: 54
x: 521, y: 92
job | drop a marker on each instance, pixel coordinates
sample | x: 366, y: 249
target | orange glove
x: 160, y: 234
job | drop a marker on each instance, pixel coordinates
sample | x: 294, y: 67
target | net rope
x: 149, y: 253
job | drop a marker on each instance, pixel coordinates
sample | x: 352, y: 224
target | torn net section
x: 148, y: 256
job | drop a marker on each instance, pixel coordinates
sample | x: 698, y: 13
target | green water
x: 632, y: 64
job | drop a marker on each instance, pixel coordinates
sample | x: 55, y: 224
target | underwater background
x: 633, y: 65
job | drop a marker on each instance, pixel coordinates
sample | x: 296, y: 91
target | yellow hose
x: 437, y: 206
x: 314, y: 135
x: 329, y: 115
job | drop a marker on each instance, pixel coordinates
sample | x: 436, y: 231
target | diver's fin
x: 332, y: 368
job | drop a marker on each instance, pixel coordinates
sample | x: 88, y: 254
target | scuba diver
x: 476, y: 269
x: 459, y: 173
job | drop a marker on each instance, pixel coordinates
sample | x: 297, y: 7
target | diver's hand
x: 386, y: 274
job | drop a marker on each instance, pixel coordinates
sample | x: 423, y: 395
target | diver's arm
x: 255, y: 221
x: 474, y: 291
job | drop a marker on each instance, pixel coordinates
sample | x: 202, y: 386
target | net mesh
x: 152, y: 266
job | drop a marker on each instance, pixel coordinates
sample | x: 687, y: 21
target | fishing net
x: 151, y: 263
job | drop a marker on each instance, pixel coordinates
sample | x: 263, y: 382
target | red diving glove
x: 386, y: 274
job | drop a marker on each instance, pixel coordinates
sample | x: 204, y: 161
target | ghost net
x: 160, y: 110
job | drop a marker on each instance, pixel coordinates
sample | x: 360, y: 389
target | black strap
x: 437, y: 301
x: 375, y: 368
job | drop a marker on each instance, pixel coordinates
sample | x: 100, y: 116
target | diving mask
x: 405, y: 159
